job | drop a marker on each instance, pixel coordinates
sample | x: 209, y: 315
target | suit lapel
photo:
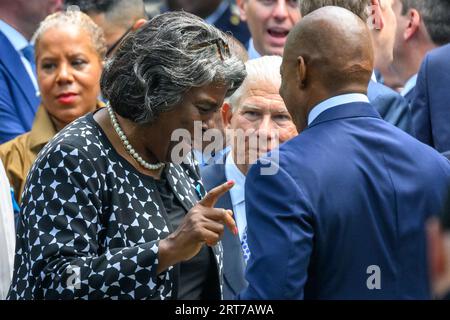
x: 14, y: 66
x: 231, y: 245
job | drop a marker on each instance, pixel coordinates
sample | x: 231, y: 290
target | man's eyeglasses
x: 222, y: 47
x: 116, y: 44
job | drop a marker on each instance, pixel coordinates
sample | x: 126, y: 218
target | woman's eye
x: 48, y: 66
x: 78, y: 63
x: 267, y: 2
x: 203, y: 110
x: 294, y: 3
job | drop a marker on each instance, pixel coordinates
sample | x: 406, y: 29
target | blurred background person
x: 223, y: 14
x: 108, y: 200
x: 390, y: 104
x: 430, y: 107
x: 269, y: 22
x: 421, y: 27
x: 116, y: 18
x: 19, y: 93
x: 69, y: 63
x: 257, y: 110
x: 7, y: 234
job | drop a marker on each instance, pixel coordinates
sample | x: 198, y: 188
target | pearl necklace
x: 128, y: 147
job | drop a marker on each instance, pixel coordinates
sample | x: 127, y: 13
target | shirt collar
x: 410, y: 84
x: 212, y: 19
x: 252, y: 53
x: 374, y: 77
x: 17, y: 40
x: 237, y: 193
x: 334, y: 102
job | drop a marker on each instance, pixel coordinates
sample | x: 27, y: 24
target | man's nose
x: 280, y: 12
x: 265, y: 127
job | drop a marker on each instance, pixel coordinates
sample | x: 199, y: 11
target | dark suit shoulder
x: 392, y: 107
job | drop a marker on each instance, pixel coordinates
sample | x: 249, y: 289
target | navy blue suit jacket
x: 18, y: 100
x: 390, y: 105
x: 230, y: 22
x: 431, y: 107
x: 352, y: 193
x: 233, y: 261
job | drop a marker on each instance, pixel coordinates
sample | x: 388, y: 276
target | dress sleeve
x: 60, y: 254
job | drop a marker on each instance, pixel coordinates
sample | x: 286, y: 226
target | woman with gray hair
x: 106, y: 212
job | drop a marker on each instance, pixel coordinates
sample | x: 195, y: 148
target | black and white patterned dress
x: 90, y: 223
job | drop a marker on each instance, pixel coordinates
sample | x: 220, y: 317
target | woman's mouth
x: 67, y: 98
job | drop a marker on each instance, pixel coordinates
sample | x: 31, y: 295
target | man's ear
x: 377, y: 14
x: 414, y: 21
x: 226, y: 114
x: 242, y: 5
x: 301, y: 71
x: 139, y: 23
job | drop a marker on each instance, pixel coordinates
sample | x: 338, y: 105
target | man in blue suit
x: 19, y: 93
x: 431, y: 107
x: 257, y: 109
x: 344, y: 215
x: 390, y: 105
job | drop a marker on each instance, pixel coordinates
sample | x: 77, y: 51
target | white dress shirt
x: 19, y: 43
x: 252, y: 53
x: 334, y: 102
x: 237, y: 193
x: 7, y: 234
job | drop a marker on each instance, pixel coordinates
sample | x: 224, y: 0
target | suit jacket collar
x: 349, y: 110
x: 213, y: 175
x: 11, y: 61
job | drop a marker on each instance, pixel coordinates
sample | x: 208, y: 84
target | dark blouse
x: 195, y: 273
x: 90, y: 224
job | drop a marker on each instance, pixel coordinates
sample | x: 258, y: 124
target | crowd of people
x: 224, y: 149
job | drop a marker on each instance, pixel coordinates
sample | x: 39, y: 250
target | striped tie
x: 244, y: 245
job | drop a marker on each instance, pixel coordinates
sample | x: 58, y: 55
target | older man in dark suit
x: 431, y: 110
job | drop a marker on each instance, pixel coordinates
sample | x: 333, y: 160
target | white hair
x: 261, y: 70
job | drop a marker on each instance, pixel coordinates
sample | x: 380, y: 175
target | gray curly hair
x: 156, y: 65
x: 73, y: 16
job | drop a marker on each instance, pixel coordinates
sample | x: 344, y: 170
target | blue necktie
x: 28, y: 53
x: 244, y: 245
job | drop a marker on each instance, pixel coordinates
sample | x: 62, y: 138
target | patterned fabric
x: 244, y: 245
x: 90, y: 223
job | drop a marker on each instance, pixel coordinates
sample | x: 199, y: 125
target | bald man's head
x: 328, y: 53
